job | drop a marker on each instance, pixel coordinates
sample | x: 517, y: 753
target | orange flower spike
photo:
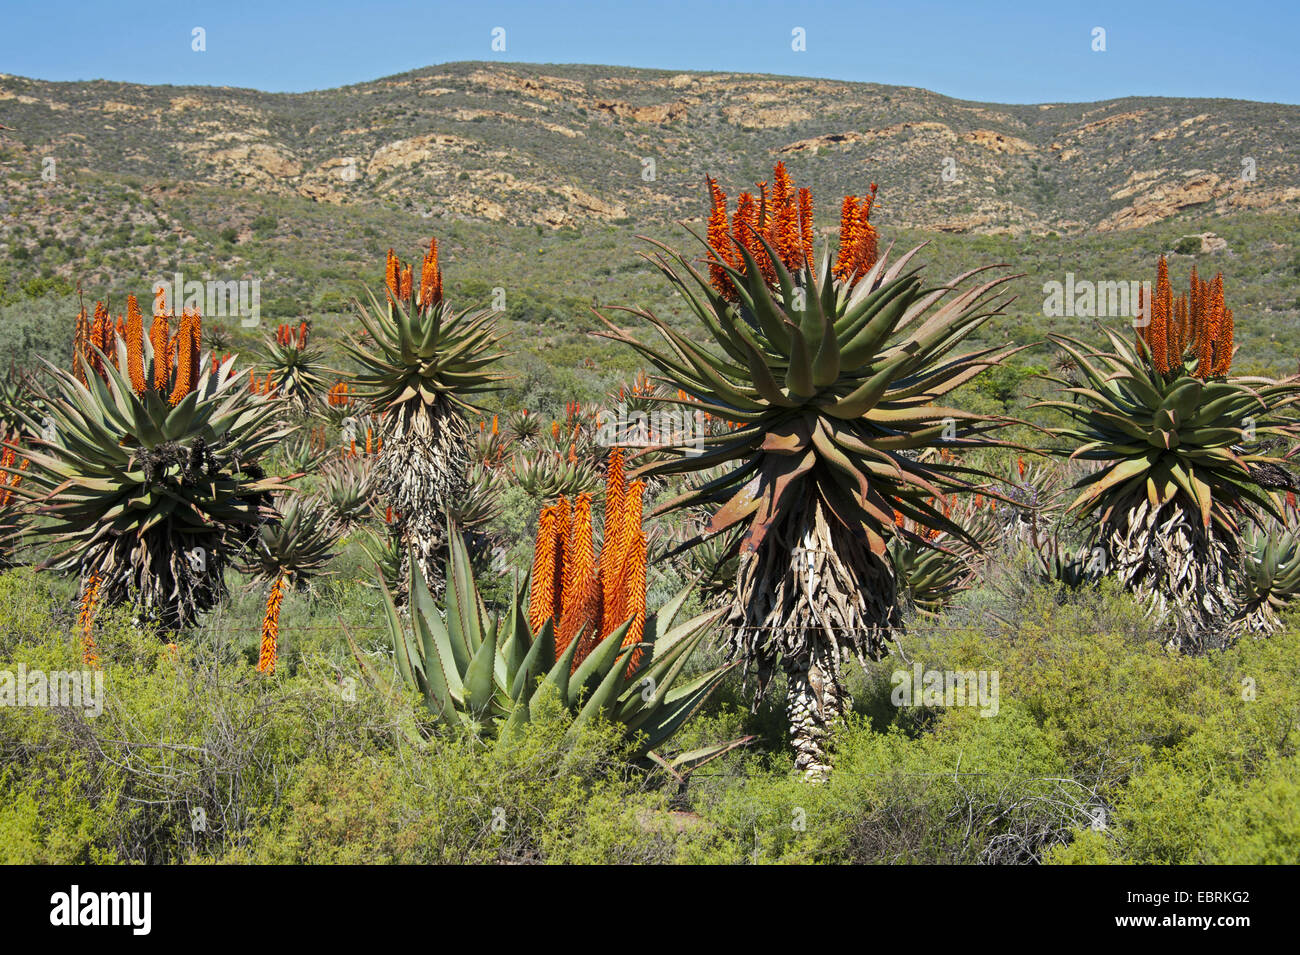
x: 1159, y: 331
x: 1216, y: 326
x: 615, y: 489
x: 744, y: 223
x: 563, y: 516
x: 636, y: 596
x: 495, y: 426
x: 406, y: 282
x: 579, y: 571
x: 1212, y: 307
x: 783, y: 231
x: 1225, y: 341
x: 611, y: 548
x: 160, y: 337
x: 86, y: 620
x: 430, y: 277
x: 632, y: 554
x: 100, y: 335
x: 186, y: 352
x: 541, y: 596
x: 134, y: 345
x: 719, y: 238
x: 268, y: 654
x: 555, y: 430
x: 865, y: 252
x: 848, y: 239
x: 392, y: 275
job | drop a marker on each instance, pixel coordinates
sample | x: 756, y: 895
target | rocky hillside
x: 566, y: 146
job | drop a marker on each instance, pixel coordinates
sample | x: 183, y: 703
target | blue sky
x: 1015, y: 51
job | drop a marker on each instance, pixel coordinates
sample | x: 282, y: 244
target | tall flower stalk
x: 268, y: 653
x: 587, y: 596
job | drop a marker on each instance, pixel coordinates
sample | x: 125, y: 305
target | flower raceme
x: 399, y: 278
x: 175, y: 357
x: 589, y: 596
x: 9, y: 477
x: 1192, y: 331
x: 782, y: 221
x: 268, y: 654
x: 340, y: 395
x: 86, y: 620
x: 291, y: 337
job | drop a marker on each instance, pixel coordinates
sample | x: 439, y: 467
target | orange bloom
x: 579, y: 574
x: 160, y: 338
x: 865, y: 251
x: 724, y: 251
x: 1158, y: 330
x: 134, y: 345
x: 844, y: 259
x: 632, y: 570
x: 187, y: 356
x: 266, y: 658
x: 86, y: 620
x: 783, y: 233
x: 431, y: 277
x: 745, y: 225
x: 392, y: 275
x: 10, y: 481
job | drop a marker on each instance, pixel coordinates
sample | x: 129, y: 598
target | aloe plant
x: 488, y: 674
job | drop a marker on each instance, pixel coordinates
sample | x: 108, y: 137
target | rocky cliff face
x: 564, y: 146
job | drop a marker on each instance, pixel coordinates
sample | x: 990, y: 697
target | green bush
x: 1105, y: 748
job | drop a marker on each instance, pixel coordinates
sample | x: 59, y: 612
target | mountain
x: 562, y: 146
x: 538, y: 181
